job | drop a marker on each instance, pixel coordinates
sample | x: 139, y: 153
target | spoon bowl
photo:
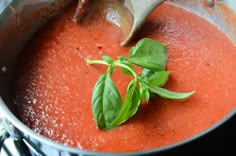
x: 129, y: 15
x: 139, y: 9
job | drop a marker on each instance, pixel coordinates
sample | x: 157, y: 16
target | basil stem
x: 115, y: 63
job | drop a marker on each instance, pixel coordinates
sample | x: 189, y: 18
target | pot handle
x: 3, y: 133
x: 22, y: 145
x: 8, y: 131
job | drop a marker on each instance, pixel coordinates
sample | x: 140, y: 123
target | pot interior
x: 18, y: 24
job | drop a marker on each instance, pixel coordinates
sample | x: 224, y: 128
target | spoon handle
x: 144, y: 7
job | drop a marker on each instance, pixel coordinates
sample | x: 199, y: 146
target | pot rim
x: 4, y: 111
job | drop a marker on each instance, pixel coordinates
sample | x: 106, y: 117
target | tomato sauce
x: 54, y: 84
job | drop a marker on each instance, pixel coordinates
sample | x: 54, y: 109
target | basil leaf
x: 106, y: 102
x: 149, y: 54
x: 147, y: 73
x: 123, y: 59
x: 126, y: 71
x: 155, y: 78
x: 169, y: 94
x: 131, y: 104
x: 108, y: 59
x: 144, y: 92
x: 125, y: 62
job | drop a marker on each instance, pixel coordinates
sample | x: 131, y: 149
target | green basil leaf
x: 106, y: 102
x: 146, y: 73
x: 130, y: 106
x: 126, y: 71
x: 147, y: 95
x: 169, y: 94
x: 133, y: 50
x: 108, y: 59
x: 149, y: 54
x: 144, y: 92
x: 125, y: 61
x: 157, y: 78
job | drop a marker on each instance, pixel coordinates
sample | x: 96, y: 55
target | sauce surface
x: 54, y: 84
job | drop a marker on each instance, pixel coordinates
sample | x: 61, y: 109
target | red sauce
x: 54, y: 84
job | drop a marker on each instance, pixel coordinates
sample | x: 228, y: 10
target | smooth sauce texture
x: 54, y: 84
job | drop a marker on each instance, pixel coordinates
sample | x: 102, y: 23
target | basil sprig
x: 108, y: 109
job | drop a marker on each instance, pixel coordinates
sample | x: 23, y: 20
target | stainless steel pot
x: 20, y: 19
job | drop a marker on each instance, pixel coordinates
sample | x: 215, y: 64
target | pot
x: 20, y: 19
